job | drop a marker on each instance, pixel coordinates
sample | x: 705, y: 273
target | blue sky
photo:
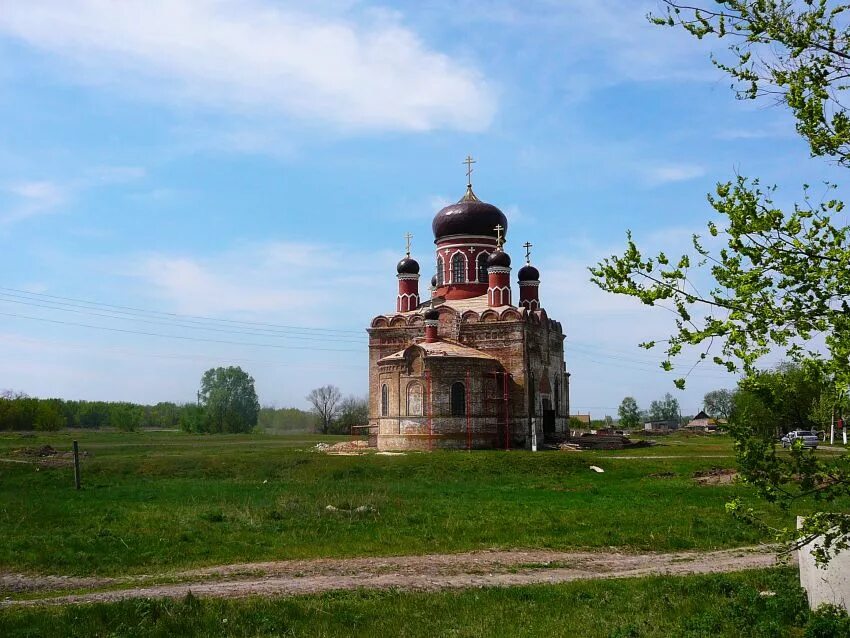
x: 260, y: 161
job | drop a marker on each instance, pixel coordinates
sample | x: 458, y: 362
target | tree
x: 667, y: 409
x: 718, y: 403
x: 48, y: 417
x: 352, y: 411
x: 229, y: 400
x: 325, y: 402
x: 629, y: 413
x: 780, y: 276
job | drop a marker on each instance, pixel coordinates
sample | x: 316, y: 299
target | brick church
x: 465, y: 367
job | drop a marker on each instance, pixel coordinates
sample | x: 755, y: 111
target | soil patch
x: 715, y: 476
x: 421, y: 573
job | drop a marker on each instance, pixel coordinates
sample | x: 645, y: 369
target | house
x: 662, y: 426
x: 702, y: 423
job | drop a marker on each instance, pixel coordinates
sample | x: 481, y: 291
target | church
x: 466, y: 367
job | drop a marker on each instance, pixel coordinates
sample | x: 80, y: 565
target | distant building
x: 663, y: 425
x: 702, y: 423
x: 584, y: 418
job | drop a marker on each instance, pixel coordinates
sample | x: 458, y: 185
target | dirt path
x: 421, y: 573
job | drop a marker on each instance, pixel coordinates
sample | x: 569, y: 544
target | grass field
x: 158, y: 501
x: 759, y: 604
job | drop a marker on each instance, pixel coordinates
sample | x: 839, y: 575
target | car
x: 809, y: 438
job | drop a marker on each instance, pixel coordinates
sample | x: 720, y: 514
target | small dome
x: 499, y: 258
x: 469, y: 216
x: 528, y: 273
x: 408, y: 266
x: 431, y: 315
x: 434, y: 281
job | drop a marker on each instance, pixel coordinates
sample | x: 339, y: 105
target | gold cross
x: 499, y: 240
x: 408, y: 236
x: 527, y: 247
x: 469, y: 162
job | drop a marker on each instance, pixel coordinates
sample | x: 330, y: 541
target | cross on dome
x: 469, y: 162
x: 499, y: 241
x: 408, y: 237
x: 527, y: 246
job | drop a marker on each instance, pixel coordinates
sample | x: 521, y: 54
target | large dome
x: 469, y: 216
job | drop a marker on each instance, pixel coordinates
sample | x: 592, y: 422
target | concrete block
x: 829, y: 584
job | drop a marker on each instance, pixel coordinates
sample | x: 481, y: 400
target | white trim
x: 432, y: 323
x: 458, y: 235
x: 407, y: 276
x: 503, y: 270
x: 477, y: 257
x: 467, y: 244
x: 532, y: 282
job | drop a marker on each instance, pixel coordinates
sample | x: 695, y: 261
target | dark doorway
x: 548, y: 419
x: 458, y: 399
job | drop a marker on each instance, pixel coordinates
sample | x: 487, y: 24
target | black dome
x: 408, y: 266
x: 434, y: 281
x: 470, y: 216
x: 431, y: 315
x: 499, y: 258
x: 528, y: 273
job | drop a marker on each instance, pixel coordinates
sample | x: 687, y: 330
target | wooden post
x: 76, y: 466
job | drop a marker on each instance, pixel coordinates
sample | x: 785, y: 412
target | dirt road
x: 424, y: 573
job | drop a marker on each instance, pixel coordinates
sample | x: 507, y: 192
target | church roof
x: 442, y: 348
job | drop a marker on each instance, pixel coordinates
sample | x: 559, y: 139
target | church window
x: 385, y: 400
x: 458, y: 399
x: 414, y: 399
x: 458, y: 269
x: 482, y: 268
x: 440, y: 271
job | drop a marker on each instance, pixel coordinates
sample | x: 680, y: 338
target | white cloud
x: 356, y: 72
x: 32, y: 198
x: 668, y: 173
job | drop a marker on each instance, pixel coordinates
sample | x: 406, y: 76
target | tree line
x: 226, y: 403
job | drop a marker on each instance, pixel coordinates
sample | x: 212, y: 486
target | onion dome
x: 499, y: 258
x: 434, y: 281
x: 431, y: 314
x: 408, y: 266
x: 469, y: 216
x: 528, y: 273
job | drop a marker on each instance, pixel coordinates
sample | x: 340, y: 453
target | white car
x: 809, y: 438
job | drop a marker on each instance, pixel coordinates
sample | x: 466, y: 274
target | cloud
x: 668, y: 173
x: 32, y: 198
x: 278, y: 280
x: 355, y: 72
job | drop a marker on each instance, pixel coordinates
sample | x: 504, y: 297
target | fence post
x: 76, y: 466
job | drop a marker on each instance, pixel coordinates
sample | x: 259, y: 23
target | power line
x: 181, y: 316
x: 173, y: 323
x: 181, y: 337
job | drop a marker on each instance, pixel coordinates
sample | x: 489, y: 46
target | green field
x: 759, y: 604
x: 154, y: 502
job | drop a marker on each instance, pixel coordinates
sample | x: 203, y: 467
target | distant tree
x: 576, y: 423
x: 667, y: 409
x: 192, y: 418
x: 629, y: 413
x: 352, y: 411
x: 125, y: 416
x: 48, y: 417
x: 718, y: 403
x: 325, y: 402
x: 229, y: 400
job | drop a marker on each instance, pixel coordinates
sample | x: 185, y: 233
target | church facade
x: 466, y: 367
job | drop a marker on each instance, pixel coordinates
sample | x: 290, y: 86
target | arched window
x: 458, y: 269
x: 385, y: 400
x: 458, y: 399
x: 440, y: 271
x: 414, y: 399
x: 482, y: 268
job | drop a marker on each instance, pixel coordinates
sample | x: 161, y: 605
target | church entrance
x: 548, y: 419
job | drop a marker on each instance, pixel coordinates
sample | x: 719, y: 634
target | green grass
x: 155, y: 502
x: 688, y: 607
